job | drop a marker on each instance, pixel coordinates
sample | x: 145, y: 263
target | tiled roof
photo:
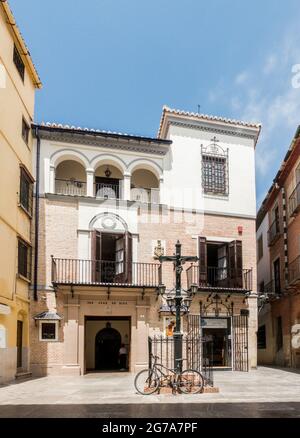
x: 80, y: 130
x: 167, y: 110
x: 21, y: 42
x: 49, y: 316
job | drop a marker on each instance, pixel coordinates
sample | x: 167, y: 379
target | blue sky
x: 113, y: 64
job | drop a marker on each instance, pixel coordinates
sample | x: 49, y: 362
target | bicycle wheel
x: 146, y: 382
x: 190, y: 382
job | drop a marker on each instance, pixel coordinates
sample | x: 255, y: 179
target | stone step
x: 23, y: 375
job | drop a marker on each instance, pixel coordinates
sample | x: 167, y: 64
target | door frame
x: 108, y: 318
x: 229, y: 331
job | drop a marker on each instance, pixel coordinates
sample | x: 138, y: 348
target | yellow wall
x: 16, y: 101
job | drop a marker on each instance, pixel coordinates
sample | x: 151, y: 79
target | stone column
x: 126, y: 187
x: 71, y: 359
x: 51, y: 179
x: 90, y: 182
x: 141, y: 336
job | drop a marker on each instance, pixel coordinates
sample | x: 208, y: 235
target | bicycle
x: 149, y: 381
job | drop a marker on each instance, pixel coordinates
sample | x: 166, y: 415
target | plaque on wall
x: 214, y: 323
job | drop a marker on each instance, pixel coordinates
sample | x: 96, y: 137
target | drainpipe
x: 37, y: 213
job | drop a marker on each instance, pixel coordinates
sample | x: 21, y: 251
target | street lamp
x: 179, y: 299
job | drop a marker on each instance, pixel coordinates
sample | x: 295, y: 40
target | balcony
x: 274, y: 232
x: 294, y: 271
x: 105, y: 273
x: 107, y: 191
x: 271, y: 289
x: 294, y: 201
x: 220, y: 279
x: 150, y: 196
x: 70, y: 187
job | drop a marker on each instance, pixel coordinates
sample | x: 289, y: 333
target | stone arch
x: 147, y: 164
x: 69, y: 155
x: 108, y: 159
x: 108, y: 222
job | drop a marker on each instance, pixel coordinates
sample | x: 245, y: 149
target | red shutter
x: 202, y: 261
x: 235, y: 263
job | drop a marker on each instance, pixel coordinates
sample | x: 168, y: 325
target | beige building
x: 278, y: 244
x: 109, y: 205
x: 18, y: 81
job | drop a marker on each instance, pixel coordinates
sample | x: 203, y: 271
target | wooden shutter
x: 96, y: 251
x: 235, y: 264
x: 128, y: 257
x: 202, y: 261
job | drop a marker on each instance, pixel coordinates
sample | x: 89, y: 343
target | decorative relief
x: 158, y: 248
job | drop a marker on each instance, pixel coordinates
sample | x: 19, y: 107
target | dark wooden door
x: 202, y: 245
x: 19, y: 343
x: 235, y: 264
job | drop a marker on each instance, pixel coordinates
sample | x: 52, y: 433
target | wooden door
x: 19, y: 343
x: 96, y: 251
x: 235, y: 264
x: 202, y: 245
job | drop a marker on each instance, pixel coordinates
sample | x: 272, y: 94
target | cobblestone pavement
x: 265, y: 390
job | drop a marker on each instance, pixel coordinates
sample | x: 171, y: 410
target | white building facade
x: 109, y: 204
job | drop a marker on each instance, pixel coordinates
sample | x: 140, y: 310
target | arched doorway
x: 107, y: 346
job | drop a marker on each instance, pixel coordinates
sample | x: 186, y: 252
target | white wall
x: 263, y: 265
x: 183, y: 179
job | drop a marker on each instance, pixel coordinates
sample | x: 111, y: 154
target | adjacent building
x: 18, y: 82
x: 109, y: 205
x: 278, y: 246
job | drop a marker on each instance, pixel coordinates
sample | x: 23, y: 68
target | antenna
x: 199, y: 106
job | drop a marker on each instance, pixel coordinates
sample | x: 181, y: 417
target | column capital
x: 90, y: 170
x: 127, y: 175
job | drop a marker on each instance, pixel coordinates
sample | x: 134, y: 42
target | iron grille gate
x: 240, y: 343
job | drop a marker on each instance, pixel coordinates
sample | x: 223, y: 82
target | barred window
x: 19, y: 63
x: 25, y: 130
x: 48, y: 331
x: 24, y: 259
x: 26, y: 191
x: 214, y: 174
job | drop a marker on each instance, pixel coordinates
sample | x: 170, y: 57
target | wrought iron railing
x: 150, y: 196
x: 107, y: 191
x: 274, y: 232
x: 94, y: 272
x: 70, y: 187
x: 294, y: 270
x: 221, y: 278
x: 270, y: 289
x: 294, y: 201
x: 197, y: 354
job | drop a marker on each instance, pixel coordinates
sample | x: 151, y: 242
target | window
x: 262, y: 286
x: 279, y: 334
x: 260, y: 248
x: 25, y: 130
x: 26, y: 190
x: 24, y: 259
x: 19, y: 63
x: 214, y: 174
x: 48, y: 331
x: 261, y: 338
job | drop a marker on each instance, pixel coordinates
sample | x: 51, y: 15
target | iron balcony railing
x: 274, y: 232
x: 294, y: 201
x: 219, y: 278
x: 70, y: 187
x: 150, y: 196
x: 294, y: 270
x: 107, y: 191
x: 270, y: 289
x: 97, y: 272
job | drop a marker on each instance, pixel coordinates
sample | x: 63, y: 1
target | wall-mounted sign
x: 214, y: 323
x: 4, y: 309
x: 2, y: 336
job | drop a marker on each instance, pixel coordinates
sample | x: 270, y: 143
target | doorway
x: 19, y: 343
x: 218, y: 331
x: 104, y: 338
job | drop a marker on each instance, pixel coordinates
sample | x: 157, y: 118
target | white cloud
x: 241, y: 78
x: 270, y: 64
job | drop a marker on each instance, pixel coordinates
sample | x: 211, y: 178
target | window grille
x: 215, y: 170
x: 19, y: 63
